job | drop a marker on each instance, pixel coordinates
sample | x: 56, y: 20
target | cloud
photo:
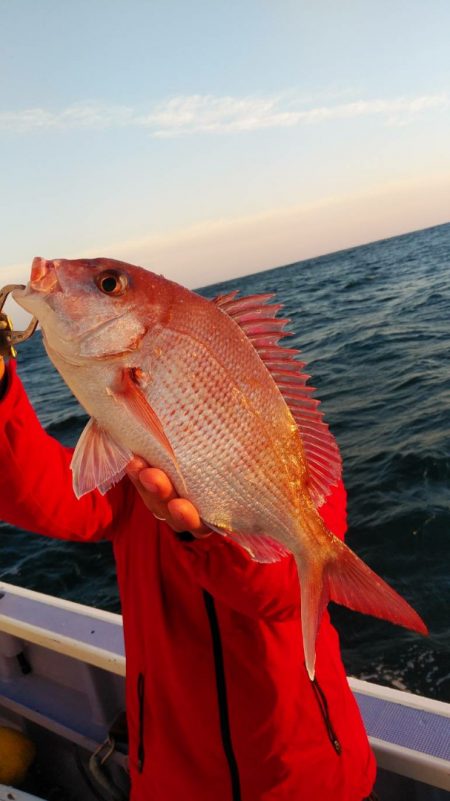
x: 193, y: 114
x: 201, y: 114
x: 80, y: 115
x: 209, y: 114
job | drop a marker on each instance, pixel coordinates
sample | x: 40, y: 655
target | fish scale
x: 221, y: 463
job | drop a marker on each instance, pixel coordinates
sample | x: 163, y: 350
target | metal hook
x: 9, y: 337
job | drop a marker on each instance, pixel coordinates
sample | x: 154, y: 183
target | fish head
x: 93, y: 308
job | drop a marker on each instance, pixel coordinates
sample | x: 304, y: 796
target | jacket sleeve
x: 36, y: 482
x: 268, y: 590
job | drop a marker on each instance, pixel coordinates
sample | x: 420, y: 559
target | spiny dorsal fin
x: 257, y: 319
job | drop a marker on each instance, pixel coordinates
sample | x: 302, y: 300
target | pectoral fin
x: 131, y: 395
x: 98, y: 462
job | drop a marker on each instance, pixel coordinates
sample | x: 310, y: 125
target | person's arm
x: 35, y: 478
x: 224, y: 569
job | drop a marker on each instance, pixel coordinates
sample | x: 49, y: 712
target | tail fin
x: 343, y: 577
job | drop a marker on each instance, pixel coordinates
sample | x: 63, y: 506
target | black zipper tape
x: 323, y: 706
x: 141, y: 693
x: 222, y: 697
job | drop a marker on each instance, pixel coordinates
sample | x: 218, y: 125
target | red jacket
x: 220, y: 707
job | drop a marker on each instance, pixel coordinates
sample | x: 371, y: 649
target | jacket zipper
x: 323, y: 706
x: 140, y: 750
x: 222, y: 696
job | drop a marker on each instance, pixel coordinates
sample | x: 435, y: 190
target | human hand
x: 4, y: 341
x: 159, y: 496
x: 3, y: 327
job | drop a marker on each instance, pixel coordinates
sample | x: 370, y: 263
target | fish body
x: 204, y: 391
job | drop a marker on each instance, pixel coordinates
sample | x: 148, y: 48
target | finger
x: 135, y: 466
x: 151, y: 499
x: 157, y: 508
x: 185, y: 517
x: 151, y: 479
x: 157, y: 482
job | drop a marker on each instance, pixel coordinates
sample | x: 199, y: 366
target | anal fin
x: 260, y: 547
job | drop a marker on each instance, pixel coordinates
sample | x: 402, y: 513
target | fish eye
x: 111, y: 283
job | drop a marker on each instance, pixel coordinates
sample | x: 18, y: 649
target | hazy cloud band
x: 185, y: 115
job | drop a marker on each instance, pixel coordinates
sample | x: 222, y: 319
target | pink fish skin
x: 204, y: 391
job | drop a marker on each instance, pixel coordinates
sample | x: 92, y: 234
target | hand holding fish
x: 159, y: 496
x: 3, y: 329
x: 3, y: 342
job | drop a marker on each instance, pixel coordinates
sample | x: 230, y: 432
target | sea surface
x: 373, y: 323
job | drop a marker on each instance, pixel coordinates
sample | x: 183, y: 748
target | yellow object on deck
x: 17, y: 753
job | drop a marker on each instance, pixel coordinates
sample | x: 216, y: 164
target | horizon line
x: 329, y: 253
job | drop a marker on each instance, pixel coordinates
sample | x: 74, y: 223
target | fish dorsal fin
x: 98, y: 462
x: 256, y: 317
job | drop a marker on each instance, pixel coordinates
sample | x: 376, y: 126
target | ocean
x: 373, y: 323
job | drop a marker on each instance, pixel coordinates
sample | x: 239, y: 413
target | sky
x: 209, y: 139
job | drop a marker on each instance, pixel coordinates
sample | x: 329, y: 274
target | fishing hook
x: 8, y: 337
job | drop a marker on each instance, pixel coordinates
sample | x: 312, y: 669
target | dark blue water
x: 374, y: 324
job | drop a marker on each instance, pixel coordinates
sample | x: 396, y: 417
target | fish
x: 207, y: 391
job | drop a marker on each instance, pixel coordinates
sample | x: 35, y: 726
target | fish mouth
x: 43, y: 276
x: 43, y: 285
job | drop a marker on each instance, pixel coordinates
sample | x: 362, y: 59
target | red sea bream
x: 203, y: 390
